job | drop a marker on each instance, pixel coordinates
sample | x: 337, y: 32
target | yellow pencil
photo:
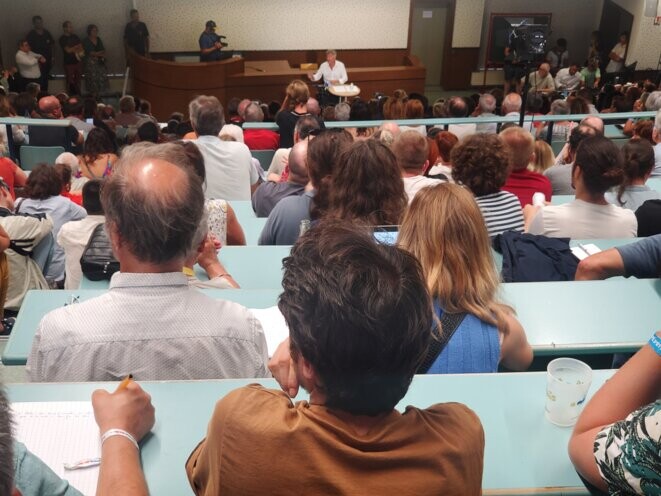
x: 125, y: 382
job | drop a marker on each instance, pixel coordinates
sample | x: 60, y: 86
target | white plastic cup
x: 538, y: 199
x: 567, y: 384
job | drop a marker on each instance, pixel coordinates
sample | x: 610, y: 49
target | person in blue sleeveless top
x: 445, y: 230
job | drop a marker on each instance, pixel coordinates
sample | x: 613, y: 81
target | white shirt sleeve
x: 317, y: 75
x: 27, y: 59
x: 343, y: 73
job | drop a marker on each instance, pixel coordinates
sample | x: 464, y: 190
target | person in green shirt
x: 591, y: 74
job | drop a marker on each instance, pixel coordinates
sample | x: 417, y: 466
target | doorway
x: 614, y: 20
x: 428, y: 31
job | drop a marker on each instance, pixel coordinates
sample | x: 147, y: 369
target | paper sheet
x: 60, y: 432
x: 584, y: 251
x: 274, y: 325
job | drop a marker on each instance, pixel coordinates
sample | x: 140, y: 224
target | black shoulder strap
x: 17, y: 205
x: 450, y: 322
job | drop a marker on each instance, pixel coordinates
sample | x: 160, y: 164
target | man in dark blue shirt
x: 210, y: 44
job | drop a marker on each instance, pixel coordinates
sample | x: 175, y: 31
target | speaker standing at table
x: 333, y: 72
x: 211, y: 43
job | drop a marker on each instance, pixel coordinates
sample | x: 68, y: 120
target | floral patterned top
x: 217, y: 219
x: 628, y: 453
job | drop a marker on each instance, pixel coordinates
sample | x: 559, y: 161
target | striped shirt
x: 502, y: 212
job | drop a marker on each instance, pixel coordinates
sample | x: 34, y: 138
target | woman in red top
x: 12, y: 174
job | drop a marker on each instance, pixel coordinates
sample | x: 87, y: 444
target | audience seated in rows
x: 303, y: 128
x: 356, y: 356
x: 481, y: 163
x: 153, y: 204
x: 597, y: 168
x: 466, y: 286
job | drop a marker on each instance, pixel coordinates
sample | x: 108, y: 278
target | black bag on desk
x: 532, y: 258
x: 98, y: 261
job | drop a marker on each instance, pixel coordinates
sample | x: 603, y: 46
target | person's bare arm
x: 529, y: 213
x: 636, y: 384
x: 20, y: 177
x: 516, y: 353
x: 129, y: 409
x: 602, y: 265
x: 208, y: 260
x: 4, y: 240
x: 235, y: 235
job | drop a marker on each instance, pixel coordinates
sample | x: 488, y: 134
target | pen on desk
x: 86, y: 463
x: 125, y: 382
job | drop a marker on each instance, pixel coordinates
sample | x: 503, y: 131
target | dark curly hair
x: 481, y: 163
x: 97, y: 143
x: 367, y: 186
x: 43, y: 182
x: 323, y: 154
x: 601, y: 163
x: 359, y: 313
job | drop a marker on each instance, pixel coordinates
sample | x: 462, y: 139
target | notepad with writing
x: 59, y: 433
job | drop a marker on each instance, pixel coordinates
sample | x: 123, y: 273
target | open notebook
x: 59, y: 433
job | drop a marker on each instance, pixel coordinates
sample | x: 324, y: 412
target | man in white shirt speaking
x: 333, y: 72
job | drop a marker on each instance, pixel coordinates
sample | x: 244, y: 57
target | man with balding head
x: 270, y: 193
x: 522, y: 182
x: 149, y: 323
x: 411, y: 151
x: 541, y: 79
x: 67, y: 137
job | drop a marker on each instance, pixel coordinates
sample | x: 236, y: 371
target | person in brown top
x: 360, y: 322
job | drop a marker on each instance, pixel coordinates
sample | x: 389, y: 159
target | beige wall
x: 279, y: 24
x: 645, y: 44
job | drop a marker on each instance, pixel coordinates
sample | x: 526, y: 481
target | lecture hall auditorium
x: 400, y: 247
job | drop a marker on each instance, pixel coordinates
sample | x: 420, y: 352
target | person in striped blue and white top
x: 481, y: 163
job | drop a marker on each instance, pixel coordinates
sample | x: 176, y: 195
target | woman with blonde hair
x: 441, y: 222
x: 293, y: 107
x: 544, y: 157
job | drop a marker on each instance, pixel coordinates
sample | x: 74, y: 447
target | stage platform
x: 170, y: 85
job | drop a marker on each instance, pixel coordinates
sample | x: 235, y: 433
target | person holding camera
x: 210, y: 43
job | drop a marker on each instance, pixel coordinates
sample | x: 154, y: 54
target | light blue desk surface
x: 252, y: 228
x: 618, y: 315
x: 38, y: 303
x: 253, y: 267
x: 524, y: 453
x: 562, y: 199
x: 243, y: 210
x: 603, y: 244
x: 654, y: 183
x: 611, y: 131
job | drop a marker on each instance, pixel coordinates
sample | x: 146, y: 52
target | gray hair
x: 657, y: 122
x: 254, y: 113
x: 342, y: 111
x: 201, y: 233
x: 594, y: 122
x: 6, y: 446
x: 127, y: 104
x: 560, y: 107
x: 487, y: 103
x: 330, y: 51
x: 511, y: 103
x: 653, y: 101
x: 158, y: 226
x: 206, y: 115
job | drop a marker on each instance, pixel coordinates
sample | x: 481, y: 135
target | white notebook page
x: 58, y: 433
